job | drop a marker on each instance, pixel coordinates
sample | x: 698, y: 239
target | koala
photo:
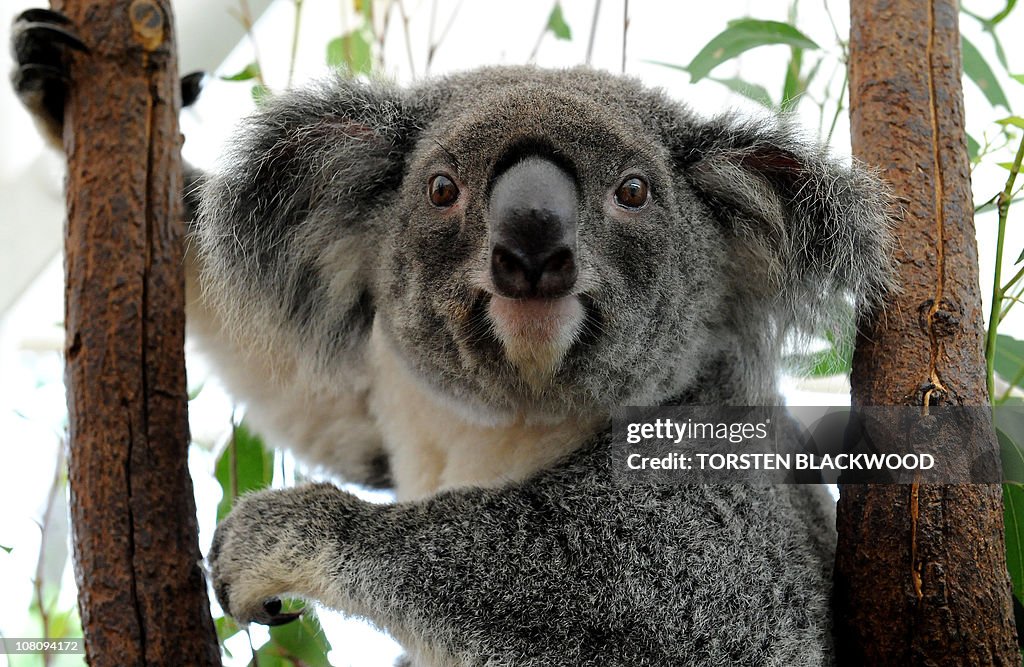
x: 447, y: 288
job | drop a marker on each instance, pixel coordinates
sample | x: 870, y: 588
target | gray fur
x: 752, y: 234
x: 567, y: 568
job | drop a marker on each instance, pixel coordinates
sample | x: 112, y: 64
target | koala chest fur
x: 432, y: 447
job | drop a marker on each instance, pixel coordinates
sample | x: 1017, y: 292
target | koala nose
x: 533, y: 231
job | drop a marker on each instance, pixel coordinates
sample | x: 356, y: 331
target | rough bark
x: 142, y: 594
x: 920, y: 571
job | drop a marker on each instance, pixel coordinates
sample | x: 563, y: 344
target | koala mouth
x: 536, y: 334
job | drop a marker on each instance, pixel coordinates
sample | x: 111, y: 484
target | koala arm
x: 335, y: 431
x: 550, y: 571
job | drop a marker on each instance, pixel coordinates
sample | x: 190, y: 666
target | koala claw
x: 264, y: 550
x: 40, y: 30
x: 275, y: 617
x: 191, y: 86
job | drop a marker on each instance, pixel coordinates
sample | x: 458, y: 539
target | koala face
x: 544, y: 257
x: 533, y: 243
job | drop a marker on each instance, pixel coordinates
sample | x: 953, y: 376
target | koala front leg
x: 469, y: 577
x: 570, y: 567
x: 278, y: 543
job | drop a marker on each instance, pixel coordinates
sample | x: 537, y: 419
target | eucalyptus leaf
x: 834, y: 361
x: 1013, y: 518
x: 1019, y: 78
x: 1009, y: 422
x: 194, y: 392
x: 557, y: 25
x: 253, y: 468
x: 1009, y: 358
x: 1000, y: 53
x: 250, y: 71
x: 1016, y: 121
x: 302, y: 640
x: 973, y: 148
x: 260, y: 94
x: 7, y: 549
x: 992, y: 206
x: 978, y: 71
x: 270, y: 655
x: 753, y: 91
x: 747, y: 89
x: 740, y: 36
x: 352, y: 52
x: 226, y: 627
x: 792, y: 86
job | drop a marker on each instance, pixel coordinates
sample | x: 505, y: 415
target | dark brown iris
x: 632, y: 193
x: 442, y: 191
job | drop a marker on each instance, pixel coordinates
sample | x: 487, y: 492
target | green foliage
x: 301, y: 643
x: 1013, y: 501
x: 973, y: 150
x: 260, y: 94
x: 245, y: 465
x: 557, y: 25
x: 352, y: 51
x: 751, y: 91
x: 247, y: 73
x: 226, y: 628
x: 740, y: 36
x: 978, y: 71
x: 835, y: 359
x: 1009, y: 360
x: 6, y: 549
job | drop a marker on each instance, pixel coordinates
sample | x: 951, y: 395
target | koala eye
x: 442, y: 191
x: 632, y: 193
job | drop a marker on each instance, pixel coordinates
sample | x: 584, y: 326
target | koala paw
x: 266, y: 549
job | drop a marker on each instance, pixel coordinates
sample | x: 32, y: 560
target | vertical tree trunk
x: 142, y: 594
x: 920, y: 571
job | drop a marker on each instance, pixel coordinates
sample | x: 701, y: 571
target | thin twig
x: 382, y: 36
x: 408, y: 38
x: 430, y: 38
x: 625, y: 32
x: 835, y: 30
x: 839, y: 103
x: 1012, y: 298
x: 44, y: 525
x: 540, y: 37
x: 1009, y: 387
x: 1004, y: 201
x: 295, y: 41
x: 233, y: 459
x: 435, y: 44
x: 593, y: 31
x: 244, y: 16
x: 1010, y: 283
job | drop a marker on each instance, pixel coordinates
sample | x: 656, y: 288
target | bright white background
x: 32, y: 413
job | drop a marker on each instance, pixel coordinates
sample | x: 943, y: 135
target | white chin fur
x: 536, y: 333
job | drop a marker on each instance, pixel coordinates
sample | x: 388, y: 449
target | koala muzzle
x: 533, y: 214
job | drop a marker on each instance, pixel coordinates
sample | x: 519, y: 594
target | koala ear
x: 803, y: 228
x: 288, y: 224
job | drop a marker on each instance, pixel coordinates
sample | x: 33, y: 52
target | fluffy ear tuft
x: 804, y: 228
x: 288, y: 225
